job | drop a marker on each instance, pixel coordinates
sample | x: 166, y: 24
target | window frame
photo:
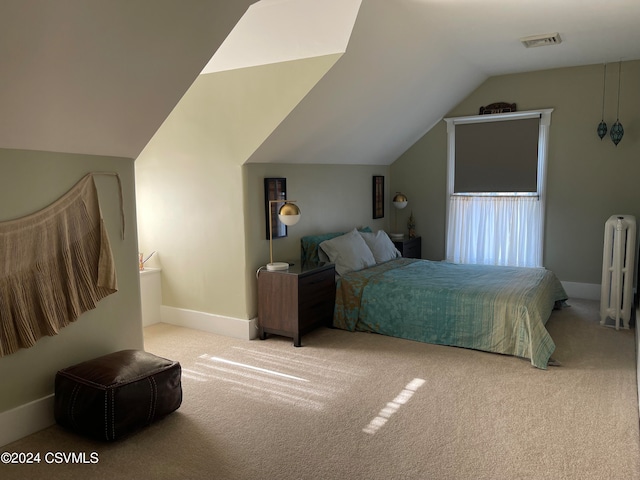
x: 543, y: 146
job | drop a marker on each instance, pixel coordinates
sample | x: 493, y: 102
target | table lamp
x: 400, y: 201
x: 289, y: 214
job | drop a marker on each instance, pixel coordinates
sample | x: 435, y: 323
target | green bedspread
x: 489, y: 308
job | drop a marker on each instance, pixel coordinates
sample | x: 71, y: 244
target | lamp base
x: 277, y: 266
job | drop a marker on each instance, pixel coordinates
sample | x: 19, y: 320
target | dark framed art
x: 378, y: 196
x: 498, y: 107
x: 274, y: 189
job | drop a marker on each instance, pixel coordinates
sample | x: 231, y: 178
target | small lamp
x: 400, y: 201
x: 289, y: 214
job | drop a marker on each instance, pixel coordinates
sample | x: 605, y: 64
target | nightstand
x: 295, y: 301
x: 410, y: 247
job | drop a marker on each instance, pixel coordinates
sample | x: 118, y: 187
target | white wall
x: 190, y: 182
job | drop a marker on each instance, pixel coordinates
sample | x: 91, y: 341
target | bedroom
x: 584, y: 192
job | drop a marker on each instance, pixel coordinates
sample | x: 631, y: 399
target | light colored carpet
x: 363, y: 406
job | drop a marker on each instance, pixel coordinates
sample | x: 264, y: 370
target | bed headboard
x: 309, y: 245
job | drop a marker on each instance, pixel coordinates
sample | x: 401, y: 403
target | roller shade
x: 499, y: 156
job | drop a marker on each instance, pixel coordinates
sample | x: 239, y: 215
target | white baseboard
x: 26, y: 419
x: 208, y: 322
x: 589, y: 291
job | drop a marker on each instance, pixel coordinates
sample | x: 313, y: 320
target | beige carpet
x: 362, y: 406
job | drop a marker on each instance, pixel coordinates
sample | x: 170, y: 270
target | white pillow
x: 349, y: 252
x: 381, y: 246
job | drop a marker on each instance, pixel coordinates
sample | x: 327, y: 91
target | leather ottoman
x: 111, y: 396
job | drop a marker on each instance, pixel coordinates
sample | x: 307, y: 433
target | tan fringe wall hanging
x: 56, y: 264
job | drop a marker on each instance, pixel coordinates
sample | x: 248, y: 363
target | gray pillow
x: 381, y: 246
x: 349, y: 252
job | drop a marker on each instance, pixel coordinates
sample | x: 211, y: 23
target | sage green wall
x: 190, y: 182
x: 588, y: 179
x: 332, y: 198
x: 29, y: 181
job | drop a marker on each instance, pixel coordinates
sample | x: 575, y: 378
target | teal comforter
x: 490, y: 308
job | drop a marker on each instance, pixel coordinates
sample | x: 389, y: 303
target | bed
x: 490, y: 308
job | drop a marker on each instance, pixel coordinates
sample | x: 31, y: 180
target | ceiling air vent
x: 541, y: 40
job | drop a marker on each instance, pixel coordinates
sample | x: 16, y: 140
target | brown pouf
x: 111, y: 396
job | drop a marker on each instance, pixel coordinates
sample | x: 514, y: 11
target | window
x: 496, y: 185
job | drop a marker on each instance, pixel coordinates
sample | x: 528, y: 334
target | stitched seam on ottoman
x: 106, y: 414
x: 113, y: 414
x: 154, y: 398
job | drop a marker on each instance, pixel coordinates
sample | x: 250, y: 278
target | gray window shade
x: 500, y: 156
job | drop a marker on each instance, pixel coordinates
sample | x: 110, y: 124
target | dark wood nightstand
x: 295, y: 301
x: 410, y: 247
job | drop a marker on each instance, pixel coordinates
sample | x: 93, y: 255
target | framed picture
x: 274, y: 189
x: 378, y: 196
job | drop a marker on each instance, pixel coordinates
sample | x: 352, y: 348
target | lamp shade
x: 289, y: 214
x: 400, y: 200
x: 602, y: 129
x: 616, y: 132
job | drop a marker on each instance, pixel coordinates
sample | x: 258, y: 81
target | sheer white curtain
x: 495, y: 230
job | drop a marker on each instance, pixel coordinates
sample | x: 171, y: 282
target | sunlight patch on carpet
x: 193, y: 375
x: 290, y: 380
x: 392, y: 407
x: 251, y: 367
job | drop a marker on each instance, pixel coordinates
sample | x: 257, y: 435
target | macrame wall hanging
x: 57, y: 264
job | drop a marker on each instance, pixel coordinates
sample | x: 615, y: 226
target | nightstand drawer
x: 410, y: 247
x: 315, y: 286
x: 316, y: 296
x: 317, y: 311
x: 412, y: 251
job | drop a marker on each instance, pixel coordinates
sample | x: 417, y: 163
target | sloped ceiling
x: 100, y: 77
x: 409, y: 62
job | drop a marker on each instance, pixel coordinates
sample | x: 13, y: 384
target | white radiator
x: 618, y: 260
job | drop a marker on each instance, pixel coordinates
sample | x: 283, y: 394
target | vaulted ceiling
x: 409, y: 62
x: 100, y: 77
